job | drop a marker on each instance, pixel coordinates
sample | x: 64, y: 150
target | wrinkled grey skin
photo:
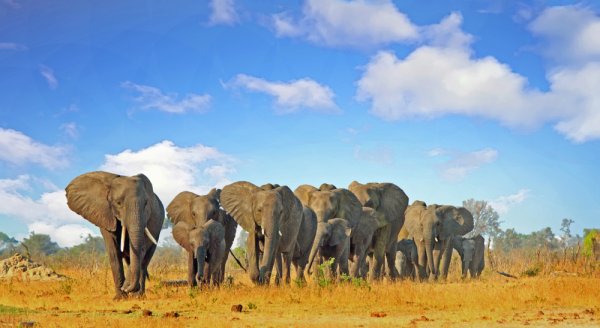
x: 208, y: 248
x: 272, y: 217
x: 432, y: 229
x: 471, y: 251
x: 361, y: 242
x: 407, y: 259
x: 390, y: 203
x: 113, y: 202
x: 329, y: 202
x: 335, y: 243
x: 304, y: 241
x: 196, y: 210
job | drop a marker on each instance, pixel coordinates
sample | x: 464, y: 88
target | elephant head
x: 328, y: 203
x: 113, y: 202
x: 194, y: 209
x: 264, y: 214
x: 205, y: 242
x: 387, y: 199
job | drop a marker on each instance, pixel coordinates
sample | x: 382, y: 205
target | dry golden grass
x: 86, y: 301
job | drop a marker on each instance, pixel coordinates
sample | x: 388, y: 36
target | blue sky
x: 492, y: 100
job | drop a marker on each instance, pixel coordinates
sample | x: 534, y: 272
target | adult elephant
x: 130, y: 217
x: 271, y: 217
x: 432, y: 229
x: 471, y: 251
x: 329, y: 202
x: 192, y: 211
x: 389, y: 203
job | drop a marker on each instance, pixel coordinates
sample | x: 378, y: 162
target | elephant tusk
x: 150, y: 236
x: 437, y: 240
x: 280, y: 233
x: 122, y: 239
x: 262, y: 230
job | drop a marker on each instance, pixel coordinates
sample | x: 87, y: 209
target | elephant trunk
x: 266, y: 265
x: 134, y: 224
x: 429, y: 253
x: 319, y: 235
x: 465, y: 266
x: 200, y: 255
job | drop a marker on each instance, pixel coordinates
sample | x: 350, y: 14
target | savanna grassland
x: 547, y: 294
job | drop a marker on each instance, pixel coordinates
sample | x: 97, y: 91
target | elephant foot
x: 138, y: 295
x: 120, y: 295
x: 132, y: 288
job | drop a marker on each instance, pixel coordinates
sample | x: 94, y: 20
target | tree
x: 90, y: 245
x: 565, y: 228
x: 486, y: 219
x: 39, y: 244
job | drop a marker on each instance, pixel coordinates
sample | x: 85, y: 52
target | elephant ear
x: 291, y: 203
x: 303, y: 193
x: 87, y: 195
x: 339, y: 235
x: 181, y: 234
x: 349, y: 207
x: 180, y: 208
x: 237, y: 200
x: 465, y: 219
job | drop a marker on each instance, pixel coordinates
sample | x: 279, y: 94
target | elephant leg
x: 422, y: 265
x: 343, y: 261
x: 390, y: 252
x: 287, y: 266
x: 380, y: 236
x: 192, y: 269
x: 446, y: 257
x: 253, y: 257
x: 145, y: 262
x: 115, y: 259
x: 279, y: 269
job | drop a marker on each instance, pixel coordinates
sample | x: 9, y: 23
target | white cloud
x: 460, y: 164
x: 355, y: 23
x: 223, y: 12
x: 18, y: 148
x: 173, y: 169
x: 149, y: 98
x: 47, y: 214
x: 12, y: 46
x: 48, y: 74
x: 290, y: 96
x: 70, y: 129
x: 446, y: 79
x: 570, y: 33
x: 503, y: 204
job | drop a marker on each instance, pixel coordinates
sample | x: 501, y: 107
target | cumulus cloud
x: 151, y: 98
x: 12, y: 46
x: 223, y: 12
x: 172, y: 169
x: 503, y: 204
x: 47, y: 214
x: 459, y: 164
x: 18, y: 148
x: 569, y: 33
x: 290, y: 96
x: 48, y: 75
x: 355, y: 23
x: 445, y: 78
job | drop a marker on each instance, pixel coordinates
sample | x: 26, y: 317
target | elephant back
x: 303, y: 193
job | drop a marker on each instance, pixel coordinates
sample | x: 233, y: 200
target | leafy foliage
x: 39, y: 245
x: 591, y: 242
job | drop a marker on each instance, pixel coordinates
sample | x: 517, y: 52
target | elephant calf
x: 334, y: 244
x: 471, y: 251
x: 207, y: 244
x: 407, y: 259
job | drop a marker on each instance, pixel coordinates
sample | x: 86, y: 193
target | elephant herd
x: 363, y: 231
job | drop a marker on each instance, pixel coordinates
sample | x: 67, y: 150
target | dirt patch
x: 21, y: 267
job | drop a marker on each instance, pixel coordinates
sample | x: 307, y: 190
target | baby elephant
x: 471, y: 251
x: 207, y: 245
x: 406, y: 258
x: 335, y: 243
